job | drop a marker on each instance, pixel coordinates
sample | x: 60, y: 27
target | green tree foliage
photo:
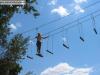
x: 12, y: 50
x: 29, y: 73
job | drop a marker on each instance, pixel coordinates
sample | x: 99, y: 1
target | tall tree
x: 12, y: 50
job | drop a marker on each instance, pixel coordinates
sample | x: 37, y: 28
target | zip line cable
x: 43, y: 25
x: 58, y: 19
x: 68, y: 25
x: 71, y: 22
x: 71, y: 26
x: 74, y: 25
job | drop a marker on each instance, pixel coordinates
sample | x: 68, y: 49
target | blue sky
x: 82, y: 58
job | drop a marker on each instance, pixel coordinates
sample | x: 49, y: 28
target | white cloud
x: 82, y: 71
x: 64, y: 39
x: 53, y: 2
x: 77, y: 6
x: 61, y: 11
x: 80, y: 1
x: 31, y: 42
x: 12, y: 26
x: 15, y: 26
x: 79, y: 9
x: 66, y: 69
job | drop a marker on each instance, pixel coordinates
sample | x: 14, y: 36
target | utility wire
x: 70, y: 26
x: 45, y: 24
x: 58, y: 19
x: 72, y: 22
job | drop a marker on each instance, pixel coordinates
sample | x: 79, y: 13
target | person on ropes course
x: 38, y: 43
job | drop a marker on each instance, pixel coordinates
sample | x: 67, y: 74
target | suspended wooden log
x: 82, y: 39
x: 29, y: 57
x: 95, y: 30
x: 49, y: 52
x: 40, y: 55
x: 65, y: 46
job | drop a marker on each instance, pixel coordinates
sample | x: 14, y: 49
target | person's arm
x: 45, y: 37
x: 36, y: 37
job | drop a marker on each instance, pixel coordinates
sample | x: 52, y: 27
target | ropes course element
x: 65, y: 46
x: 94, y: 25
x: 65, y: 42
x: 29, y: 57
x: 40, y: 55
x: 50, y: 52
x: 82, y: 39
x: 52, y: 45
x: 66, y: 26
x: 58, y: 19
x: 80, y: 31
x: 69, y: 25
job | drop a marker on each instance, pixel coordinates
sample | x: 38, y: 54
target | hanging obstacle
x: 65, y: 46
x: 81, y: 32
x: 65, y: 40
x: 29, y: 57
x: 82, y: 39
x: 40, y: 55
x: 94, y: 25
x: 95, y: 31
x: 50, y: 52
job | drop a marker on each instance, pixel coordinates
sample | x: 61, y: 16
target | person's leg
x: 39, y: 48
x: 37, y: 44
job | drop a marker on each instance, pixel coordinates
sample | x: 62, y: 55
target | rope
x: 71, y: 26
x: 58, y: 19
x: 94, y: 24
